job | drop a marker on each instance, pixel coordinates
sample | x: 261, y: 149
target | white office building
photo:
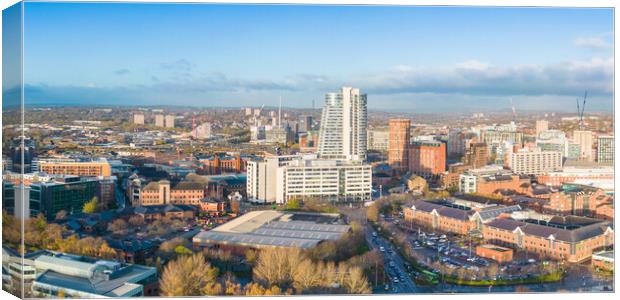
x: 281, y: 178
x: 343, y: 125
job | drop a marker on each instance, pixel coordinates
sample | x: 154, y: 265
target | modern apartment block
x: 159, y: 120
x: 477, y: 155
x: 343, y: 125
x: 605, y: 150
x: 398, y: 145
x: 281, y: 178
x: 427, y: 159
x: 535, y: 162
x: 138, y: 119
x: 169, y: 121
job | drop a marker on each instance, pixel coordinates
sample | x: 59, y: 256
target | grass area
x: 547, y: 278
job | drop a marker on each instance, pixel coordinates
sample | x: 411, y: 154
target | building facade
x: 279, y: 179
x: 398, y: 144
x: 427, y: 159
x: 89, y: 168
x: 605, y: 150
x: 535, y: 162
x: 343, y: 125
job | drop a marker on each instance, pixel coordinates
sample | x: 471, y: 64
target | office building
x: 281, y: 178
x: 605, y: 150
x: 427, y: 159
x: 570, y: 238
x: 585, y: 140
x: 22, y: 151
x: 68, y: 193
x: 305, y: 123
x: 93, y: 168
x: 159, y: 120
x: 169, y: 121
x: 535, y: 162
x: 84, y: 277
x: 541, y: 125
x: 161, y: 193
x: 343, y: 125
x: 398, y: 147
x: 138, y: 119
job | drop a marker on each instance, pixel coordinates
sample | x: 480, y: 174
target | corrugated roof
x: 271, y: 228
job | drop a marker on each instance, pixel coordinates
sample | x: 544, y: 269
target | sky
x: 414, y: 59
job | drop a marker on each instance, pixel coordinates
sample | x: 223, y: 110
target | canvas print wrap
x: 193, y: 149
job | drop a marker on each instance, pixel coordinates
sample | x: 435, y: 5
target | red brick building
x: 398, y: 144
x: 427, y: 159
x: 570, y: 238
x: 222, y: 163
x: 494, y: 252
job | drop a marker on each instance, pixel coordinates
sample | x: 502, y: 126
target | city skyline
x: 193, y: 56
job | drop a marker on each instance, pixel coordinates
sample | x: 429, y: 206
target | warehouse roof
x: 271, y: 228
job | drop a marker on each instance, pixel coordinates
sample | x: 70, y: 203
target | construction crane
x: 581, y: 109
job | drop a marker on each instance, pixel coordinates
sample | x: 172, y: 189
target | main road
x: 405, y: 285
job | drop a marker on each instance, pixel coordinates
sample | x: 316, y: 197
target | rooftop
x: 271, y: 228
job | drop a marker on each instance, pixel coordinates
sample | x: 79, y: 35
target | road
x: 405, y: 284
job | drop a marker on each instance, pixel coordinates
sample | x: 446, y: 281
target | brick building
x: 427, y: 159
x: 398, y: 144
x: 569, y: 238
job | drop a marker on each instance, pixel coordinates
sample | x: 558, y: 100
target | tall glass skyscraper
x: 344, y: 122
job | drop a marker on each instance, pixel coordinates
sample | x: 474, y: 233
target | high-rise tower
x: 343, y: 125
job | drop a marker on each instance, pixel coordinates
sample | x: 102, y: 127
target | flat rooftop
x: 270, y: 228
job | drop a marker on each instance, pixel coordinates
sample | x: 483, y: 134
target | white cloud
x: 596, y: 43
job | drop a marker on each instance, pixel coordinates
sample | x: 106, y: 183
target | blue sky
x: 405, y: 58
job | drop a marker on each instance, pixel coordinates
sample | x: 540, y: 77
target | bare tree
x: 188, y: 275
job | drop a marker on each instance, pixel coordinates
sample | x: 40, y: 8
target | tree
x: 356, y: 282
x: 182, y: 250
x: 188, y: 275
x: 136, y: 220
x: 235, y: 206
x: 293, y: 204
x: 118, y: 226
x: 91, y: 206
x: 106, y: 252
x: 372, y: 213
x: 275, y: 266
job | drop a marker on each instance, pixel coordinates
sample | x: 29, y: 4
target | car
x: 531, y: 260
x: 443, y: 236
x: 382, y: 249
x: 396, y: 280
x: 374, y: 233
